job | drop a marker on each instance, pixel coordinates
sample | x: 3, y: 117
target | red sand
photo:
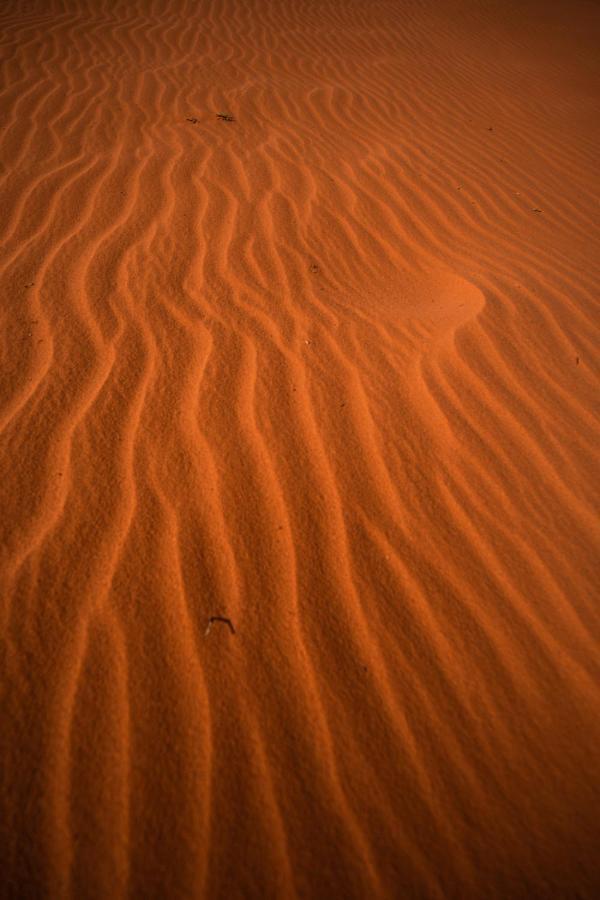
x: 329, y: 371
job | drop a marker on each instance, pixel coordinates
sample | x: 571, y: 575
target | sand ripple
x: 328, y: 373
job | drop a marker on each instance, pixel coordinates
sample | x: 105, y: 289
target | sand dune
x: 298, y: 442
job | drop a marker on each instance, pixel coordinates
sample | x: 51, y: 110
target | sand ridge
x: 327, y: 372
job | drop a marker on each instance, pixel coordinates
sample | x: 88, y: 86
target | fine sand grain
x: 299, y: 346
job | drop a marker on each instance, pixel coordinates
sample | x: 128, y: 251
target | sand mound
x: 298, y: 430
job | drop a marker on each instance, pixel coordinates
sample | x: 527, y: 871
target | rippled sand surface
x: 298, y: 449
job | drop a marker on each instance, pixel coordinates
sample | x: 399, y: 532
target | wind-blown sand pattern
x: 329, y: 372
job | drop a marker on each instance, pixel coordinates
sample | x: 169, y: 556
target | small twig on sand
x: 223, y: 619
x: 225, y: 117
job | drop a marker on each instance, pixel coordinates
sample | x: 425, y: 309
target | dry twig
x: 223, y: 619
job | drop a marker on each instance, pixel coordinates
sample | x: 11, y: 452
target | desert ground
x: 299, y: 534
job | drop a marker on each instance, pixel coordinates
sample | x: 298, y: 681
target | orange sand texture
x: 327, y: 371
